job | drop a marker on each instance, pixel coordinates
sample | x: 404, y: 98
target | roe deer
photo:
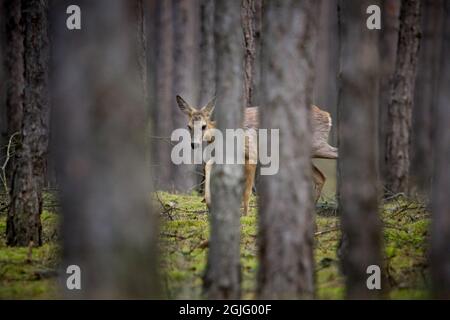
x: 320, y: 122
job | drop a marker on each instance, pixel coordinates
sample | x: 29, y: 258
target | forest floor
x: 29, y: 273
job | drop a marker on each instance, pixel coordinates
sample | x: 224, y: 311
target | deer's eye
x: 203, y: 127
x: 189, y: 127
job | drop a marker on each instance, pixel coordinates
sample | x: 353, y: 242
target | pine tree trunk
x: 388, y: 36
x: 186, y: 76
x: 357, y: 166
x: 108, y: 227
x: 440, y: 229
x: 251, y: 11
x: 402, y: 96
x: 286, y: 210
x: 14, y: 73
x: 164, y: 96
x: 23, y: 222
x: 425, y: 98
x: 327, y: 62
x: 207, y: 67
x: 223, y: 274
x: 207, y: 54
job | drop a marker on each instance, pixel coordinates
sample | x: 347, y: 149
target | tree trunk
x: 223, y: 274
x: 163, y: 109
x: 251, y: 20
x: 425, y: 97
x: 388, y: 37
x: 286, y: 223
x: 23, y: 222
x: 207, y: 67
x: 440, y: 235
x: 14, y: 73
x: 108, y: 227
x: 207, y: 54
x: 402, y: 95
x: 357, y: 178
x: 186, y: 77
x: 327, y: 61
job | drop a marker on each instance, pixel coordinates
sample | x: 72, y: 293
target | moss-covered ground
x: 29, y: 273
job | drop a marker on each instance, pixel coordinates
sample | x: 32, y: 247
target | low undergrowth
x: 29, y: 273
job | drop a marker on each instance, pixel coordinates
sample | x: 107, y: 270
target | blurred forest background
x: 87, y: 179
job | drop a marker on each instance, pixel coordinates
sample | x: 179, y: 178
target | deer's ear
x: 184, y: 107
x: 209, y: 108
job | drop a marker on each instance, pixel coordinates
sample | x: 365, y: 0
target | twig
x: 319, y: 233
x: 8, y: 156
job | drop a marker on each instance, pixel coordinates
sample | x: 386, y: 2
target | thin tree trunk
x: 250, y: 12
x: 207, y: 66
x: 207, y: 54
x: 327, y: 62
x: 425, y: 97
x: 286, y: 221
x: 440, y: 230
x: 163, y: 108
x: 14, y: 73
x: 388, y: 37
x: 186, y: 76
x: 223, y: 274
x: 357, y: 178
x: 23, y: 222
x: 402, y: 96
x: 108, y: 227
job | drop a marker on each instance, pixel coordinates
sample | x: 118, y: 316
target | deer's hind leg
x: 319, y: 180
x: 249, y: 172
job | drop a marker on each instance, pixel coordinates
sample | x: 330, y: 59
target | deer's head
x: 199, y: 120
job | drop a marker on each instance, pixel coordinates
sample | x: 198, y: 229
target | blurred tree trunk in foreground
x: 186, y: 17
x: 108, y: 227
x: 251, y: 24
x: 286, y: 222
x: 357, y: 178
x: 223, y: 273
x: 23, y: 224
x: 388, y: 37
x: 440, y: 235
x: 425, y: 98
x: 402, y: 96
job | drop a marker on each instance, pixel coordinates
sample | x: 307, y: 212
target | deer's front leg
x: 208, y: 167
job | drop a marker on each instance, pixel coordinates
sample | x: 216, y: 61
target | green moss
x: 183, y: 245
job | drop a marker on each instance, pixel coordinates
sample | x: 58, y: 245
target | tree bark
x: 14, y: 73
x: 207, y: 67
x: 425, y: 98
x: 388, y: 37
x: 163, y: 109
x: 327, y: 62
x: 440, y: 229
x: 23, y: 222
x: 357, y: 178
x: 286, y: 221
x: 207, y: 54
x: 402, y: 95
x: 186, y: 77
x: 223, y: 274
x: 108, y: 226
x: 251, y: 25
